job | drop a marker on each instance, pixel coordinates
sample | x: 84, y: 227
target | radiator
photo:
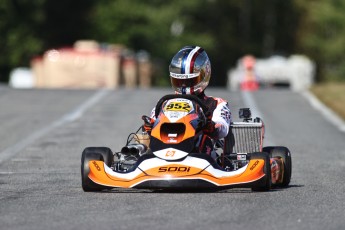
x: 248, y: 137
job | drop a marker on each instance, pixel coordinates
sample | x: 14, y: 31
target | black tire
x: 264, y: 184
x: 284, y: 154
x: 94, y: 153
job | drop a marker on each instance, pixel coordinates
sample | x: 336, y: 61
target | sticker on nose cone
x: 170, y: 154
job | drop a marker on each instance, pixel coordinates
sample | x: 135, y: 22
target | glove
x: 148, y: 123
x: 210, y: 129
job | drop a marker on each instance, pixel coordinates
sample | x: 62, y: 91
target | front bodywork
x: 191, y: 172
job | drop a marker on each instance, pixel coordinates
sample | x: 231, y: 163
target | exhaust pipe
x: 134, y: 150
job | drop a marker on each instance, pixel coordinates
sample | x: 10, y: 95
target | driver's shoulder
x: 218, y: 100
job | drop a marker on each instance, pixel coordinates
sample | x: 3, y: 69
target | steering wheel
x: 183, y: 96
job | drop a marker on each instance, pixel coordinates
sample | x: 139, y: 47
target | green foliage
x: 144, y: 25
x: 322, y: 37
x: 226, y: 29
x: 19, y: 39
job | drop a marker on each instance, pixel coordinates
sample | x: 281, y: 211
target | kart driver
x: 190, y: 73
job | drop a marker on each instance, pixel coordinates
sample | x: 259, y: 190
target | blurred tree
x: 156, y: 26
x: 19, y: 27
x: 321, y: 36
x: 65, y: 22
x: 216, y: 22
x: 237, y: 28
x: 29, y: 28
x: 226, y: 29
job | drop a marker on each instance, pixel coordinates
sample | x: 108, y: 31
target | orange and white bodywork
x: 173, y: 162
x: 191, y: 172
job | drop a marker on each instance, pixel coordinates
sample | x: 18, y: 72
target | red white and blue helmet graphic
x: 190, y: 70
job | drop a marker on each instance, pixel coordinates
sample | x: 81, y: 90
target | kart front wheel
x: 94, y: 153
x: 264, y: 184
x: 284, y: 154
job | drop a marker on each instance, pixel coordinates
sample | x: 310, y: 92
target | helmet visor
x: 185, y: 81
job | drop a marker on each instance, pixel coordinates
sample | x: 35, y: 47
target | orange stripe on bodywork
x: 253, y: 172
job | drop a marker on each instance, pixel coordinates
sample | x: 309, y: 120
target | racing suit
x: 218, y: 127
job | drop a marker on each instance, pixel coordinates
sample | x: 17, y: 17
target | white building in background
x: 297, y: 71
x: 22, y: 77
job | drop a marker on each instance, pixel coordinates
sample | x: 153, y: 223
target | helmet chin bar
x: 184, y: 90
x: 188, y: 90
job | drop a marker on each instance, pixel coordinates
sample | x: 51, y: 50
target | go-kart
x: 166, y: 159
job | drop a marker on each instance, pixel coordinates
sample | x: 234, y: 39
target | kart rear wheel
x: 94, y: 153
x: 265, y: 183
x: 283, y: 153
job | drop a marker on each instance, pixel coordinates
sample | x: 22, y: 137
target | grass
x: 332, y: 95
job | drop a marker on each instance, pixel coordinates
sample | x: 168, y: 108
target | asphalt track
x: 43, y: 133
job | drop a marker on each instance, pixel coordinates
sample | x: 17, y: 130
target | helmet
x: 190, y: 70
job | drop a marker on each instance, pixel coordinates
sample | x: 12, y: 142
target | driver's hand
x: 148, y: 123
x: 210, y: 129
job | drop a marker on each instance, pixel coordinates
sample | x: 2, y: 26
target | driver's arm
x: 222, y: 118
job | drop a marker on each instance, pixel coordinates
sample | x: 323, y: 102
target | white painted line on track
x: 328, y: 114
x: 6, y: 173
x: 249, y: 102
x: 67, y: 118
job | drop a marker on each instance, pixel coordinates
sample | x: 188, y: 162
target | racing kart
x: 166, y: 159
